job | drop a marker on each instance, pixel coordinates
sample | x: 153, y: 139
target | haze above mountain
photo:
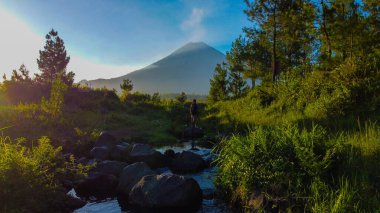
x: 188, y: 69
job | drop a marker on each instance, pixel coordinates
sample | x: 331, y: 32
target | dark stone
x: 101, y: 153
x: 130, y: 175
x: 145, y: 153
x: 98, y: 185
x: 72, y: 203
x: 187, y: 162
x: 140, y: 149
x: 193, y: 133
x: 110, y: 167
x: 119, y: 153
x: 169, y: 192
x: 169, y: 153
x: 209, y: 194
x: 106, y: 139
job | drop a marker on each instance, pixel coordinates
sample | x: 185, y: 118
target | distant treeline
x: 168, y: 96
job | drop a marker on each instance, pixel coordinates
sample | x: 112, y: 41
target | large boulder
x: 169, y: 153
x: 131, y: 175
x: 145, y: 153
x: 166, y: 193
x: 98, y: 185
x: 187, y: 162
x: 193, y: 133
x: 140, y: 149
x: 120, y: 152
x: 71, y: 203
x: 101, y: 153
x: 110, y: 167
x: 106, y: 139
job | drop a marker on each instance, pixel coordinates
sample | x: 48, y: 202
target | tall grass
x: 303, y: 170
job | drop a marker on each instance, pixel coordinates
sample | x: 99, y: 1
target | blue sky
x: 114, y: 37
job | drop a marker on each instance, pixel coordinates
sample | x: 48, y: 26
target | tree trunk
x: 324, y: 24
x: 275, y: 64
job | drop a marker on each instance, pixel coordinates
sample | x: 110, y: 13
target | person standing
x: 193, y: 112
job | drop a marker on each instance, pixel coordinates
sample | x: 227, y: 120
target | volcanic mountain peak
x: 187, y: 69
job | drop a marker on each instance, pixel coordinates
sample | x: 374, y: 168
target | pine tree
x: 126, y: 86
x: 22, y: 75
x: 53, y: 61
x: 286, y: 29
x: 343, y: 32
x: 219, y: 83
x: 257, y: 58
x: 265, y: 15
x: 237, y: 85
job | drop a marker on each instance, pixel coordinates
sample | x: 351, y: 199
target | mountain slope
x: 187, y: 69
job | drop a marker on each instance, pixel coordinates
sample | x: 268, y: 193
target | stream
x: 210, y: 204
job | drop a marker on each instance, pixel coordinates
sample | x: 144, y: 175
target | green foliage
x: 156, y: 98
x: 237, y: 86
x: 309, y: 169
x: 318, y: 95
x: 274, y: 160
x: 181, y: 98
x: 219, y: 84
x: 30, y: 177
x: 55, y: 104
x: 126, y: 88
x: 326, y: 199
x: 85, y: 141
x: 127, y: 85
x: 22, y: 77
x: 53, y: 61
x: 138, y: 97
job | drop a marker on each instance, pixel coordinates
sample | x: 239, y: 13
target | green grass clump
x: 302, y: 170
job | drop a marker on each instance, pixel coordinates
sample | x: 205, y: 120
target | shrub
x: 30, y: 177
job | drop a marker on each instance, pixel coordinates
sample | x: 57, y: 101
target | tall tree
x: 257, y: 61
x: 237, y: 85
x: 219, y: 83
x: 285, y: 28
x: 53, y: 61
x: 343, y: 31
x: 264, y: 15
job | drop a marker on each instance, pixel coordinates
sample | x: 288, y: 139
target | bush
x: 30, y: 178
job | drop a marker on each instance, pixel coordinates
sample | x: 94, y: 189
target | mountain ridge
x: 187, y: 69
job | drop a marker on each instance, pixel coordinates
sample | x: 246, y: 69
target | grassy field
x: 307, y: 144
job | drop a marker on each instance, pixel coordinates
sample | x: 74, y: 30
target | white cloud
x: 20, y: 45
x: 193, y: 25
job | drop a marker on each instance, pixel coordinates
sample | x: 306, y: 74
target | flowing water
x: 204, y: 178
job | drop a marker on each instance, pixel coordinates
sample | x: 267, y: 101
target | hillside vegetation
x: 306, y: 138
